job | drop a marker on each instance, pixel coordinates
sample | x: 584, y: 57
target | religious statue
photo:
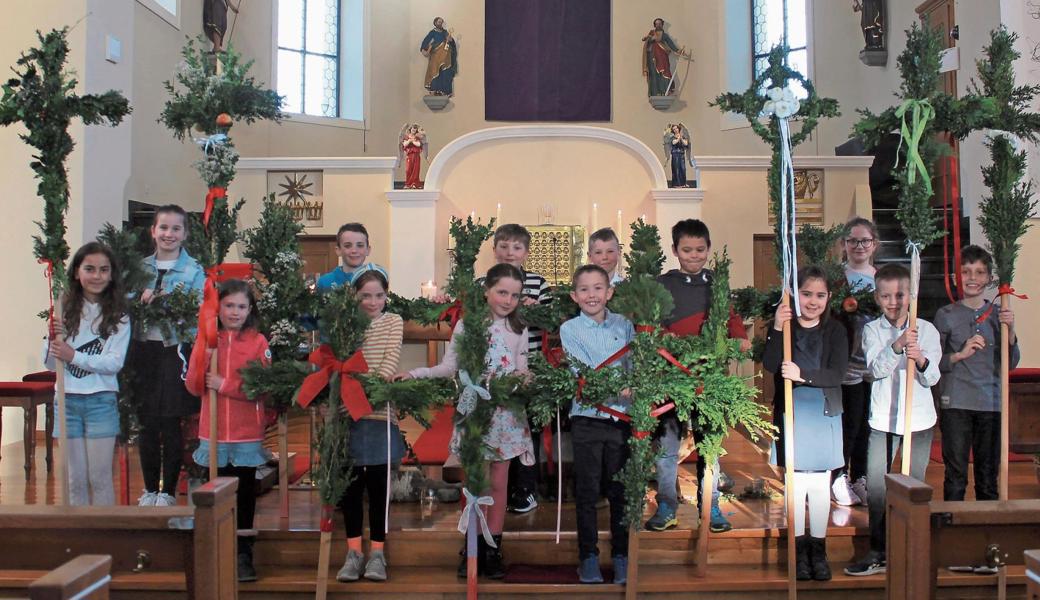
x: 657, y: 49
x: 678, y: 150
x: 872, y: 22
x: 214, y: 20
x: 440, y: 49
x: 411, y: 143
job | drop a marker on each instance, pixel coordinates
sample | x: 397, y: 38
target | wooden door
x: 765, y: 277
x: 319, y: 254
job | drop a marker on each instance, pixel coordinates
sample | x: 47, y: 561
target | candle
x: 428, y: 289
x: 620, y: 225
x: 643, y: 217
x: 473, y: 215
x: 595, y: 217
x: 498, y: 214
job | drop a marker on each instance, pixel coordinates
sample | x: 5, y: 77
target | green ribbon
x: 921, y: 111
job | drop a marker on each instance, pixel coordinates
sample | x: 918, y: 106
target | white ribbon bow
x: 473, y: 503
x: 914, y: 250
x: 470, y: 393
x: 213, y: 140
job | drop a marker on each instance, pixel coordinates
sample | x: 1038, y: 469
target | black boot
x: 821, y: 569
x: 246, y: 571
x: 464, y: 565
x: 803, y: 572
x: 493, y: 567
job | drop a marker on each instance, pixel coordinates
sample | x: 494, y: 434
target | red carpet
x: 551, y: 574
x: 936, y: 454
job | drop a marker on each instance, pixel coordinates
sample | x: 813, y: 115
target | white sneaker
x: 147, y: 498
x: 842, y: 492
x: 859, y: 488
x: 165, y: 499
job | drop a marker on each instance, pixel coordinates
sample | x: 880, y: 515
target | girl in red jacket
x: 240, y: 419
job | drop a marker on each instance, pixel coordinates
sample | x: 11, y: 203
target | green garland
x: 640, y: 298
x: 41, y: 98
x: 1005, y: 213
x: 210, y: 245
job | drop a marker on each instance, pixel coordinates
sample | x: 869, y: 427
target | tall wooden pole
x: 213, y: 466
x: 792, y: 569
x: 59, y: 400
x: 908, y: 395
x: 283, y: 464
x: 707, y: 485
x: 1005, y: 392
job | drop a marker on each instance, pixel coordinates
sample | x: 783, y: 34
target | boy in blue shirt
x: 352, y: 248
x: 599, y: 440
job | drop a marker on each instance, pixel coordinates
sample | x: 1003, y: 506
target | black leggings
x: 161, y: 449
x: 373, y: 479
x: 246, y: 494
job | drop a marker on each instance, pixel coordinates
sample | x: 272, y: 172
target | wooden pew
x: 85, y: 577
x: 926, y: 535
x: 1032, y: 574
x: 191, y: 549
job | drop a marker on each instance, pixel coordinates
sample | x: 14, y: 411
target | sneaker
x: 663, y: 519
x: 872, y: 564
x: 351, y: 570
x: 164, y: 499
x: 620, y: 569
x: 523, y: 504
x: 588, y: 570
x: 376, y: 567
x: 859, y: 487
x: 719, y: 523
x: 842, y: 492
x: 148, y: 498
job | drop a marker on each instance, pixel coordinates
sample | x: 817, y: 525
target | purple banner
x: 547, y: 60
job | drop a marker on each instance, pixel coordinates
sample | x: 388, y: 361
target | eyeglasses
x: 859, y: 243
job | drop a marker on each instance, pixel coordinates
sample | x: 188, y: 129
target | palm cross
x: 41, y: 97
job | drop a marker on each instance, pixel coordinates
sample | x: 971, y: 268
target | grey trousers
x: 881, y: 450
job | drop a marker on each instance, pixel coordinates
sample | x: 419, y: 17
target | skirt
x: 817, y: 437
x: 158, y: 380
x: 368, y: 443
x: 235, y: 454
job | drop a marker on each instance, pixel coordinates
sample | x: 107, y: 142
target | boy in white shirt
x: 888, y: 344
x: 605, y: 252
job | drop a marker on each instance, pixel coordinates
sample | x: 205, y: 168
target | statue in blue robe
x: 440, y: 49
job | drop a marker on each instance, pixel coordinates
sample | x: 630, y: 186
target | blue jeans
x: 881, y: 450
x: 669, y: 438
x: 90, y: 415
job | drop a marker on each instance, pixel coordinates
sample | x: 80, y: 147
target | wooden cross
x: 41, y: 98
x: 925, y: 111
x: 751, y: 104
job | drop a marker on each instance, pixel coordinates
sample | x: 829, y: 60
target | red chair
x: 34, y: 389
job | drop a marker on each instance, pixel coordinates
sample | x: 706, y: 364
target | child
x: 508, y: 436
x: 819, y: 359
x: 970, y: 402
x: 352, y: 248
x: 512, y: 246
x: 888, y: 344
x: 604, y: 252
x: 850, y: 485
x: 599, y: 440
x: 158, y: 363
x: 240, y: 425
x: 690, y: 287
x: 94, y: 309
x: 368, y: 436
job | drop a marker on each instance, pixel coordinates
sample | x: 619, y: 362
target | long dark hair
x: 507, y: 271
x: 112, y: 300
x: 238, y: 286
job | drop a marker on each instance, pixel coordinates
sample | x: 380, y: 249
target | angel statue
x: 678, y: 150
x: 657, y: 68
x: 440, y: 49
x: 411, y: 142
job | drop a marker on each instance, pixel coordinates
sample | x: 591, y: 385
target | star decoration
x: 295, y: 187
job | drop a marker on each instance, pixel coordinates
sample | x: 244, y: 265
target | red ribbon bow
x: 351, y: 392
x: 208, y: 311
x: 554, y: 356
x: 1004, y: 290
x: 452, y: 314
x: 211, y: 197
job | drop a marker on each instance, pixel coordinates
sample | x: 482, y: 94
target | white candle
x: 620, y: 226
x: 428, y: 289
x: 473, y: 215
x: 498, y: 214
x: 595, y: 218
x: 643, y: 217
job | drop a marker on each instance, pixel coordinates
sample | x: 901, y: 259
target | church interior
x: 798, y: 131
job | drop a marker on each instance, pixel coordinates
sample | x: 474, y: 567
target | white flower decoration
x: 781, y: 102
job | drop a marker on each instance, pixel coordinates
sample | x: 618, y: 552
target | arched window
x: 780, y: 21
x: 319, y: 57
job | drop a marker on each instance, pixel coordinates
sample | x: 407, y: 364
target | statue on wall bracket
x: 214, y: 20
x: 442, y: 53
x: 872, y: 22
x: 678, y: 150
x: 658, y: 48
x: 410, y: 144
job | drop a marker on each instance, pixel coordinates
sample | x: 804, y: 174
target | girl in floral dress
x: 508, y: 435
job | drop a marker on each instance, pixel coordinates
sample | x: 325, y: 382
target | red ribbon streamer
x: 327, y: 512
x: 645, y: 328
x: 351, y: 392
x: 208, y: 311
x: 211, y: 197
x: 452, y: 314
x: 668, y: 356
x: 49, y: 273
x: 1004, y: 290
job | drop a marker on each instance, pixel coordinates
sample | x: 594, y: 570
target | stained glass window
x: 780, y: 22
x: 309, y: 56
